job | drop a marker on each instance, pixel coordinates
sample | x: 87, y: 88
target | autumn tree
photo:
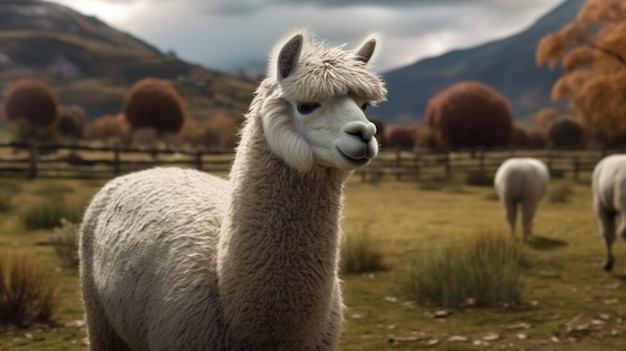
x: 30, y: 107
x: 154, y: 104
x: 470, y: 114
x: 109, y: 128
x: 592, y: 51
x: 546, y: 116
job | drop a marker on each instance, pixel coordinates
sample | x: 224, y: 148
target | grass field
x: 569, y: 303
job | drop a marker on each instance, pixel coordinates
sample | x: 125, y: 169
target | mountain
x: 91, y: 64
x: 508, y: 65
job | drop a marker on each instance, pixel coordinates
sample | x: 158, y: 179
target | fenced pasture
x: 567, y: 301
x: 79, y: 161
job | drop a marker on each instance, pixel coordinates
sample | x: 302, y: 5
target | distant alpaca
x: 521, y: 180
x: 175, y: 259
x: 609, y: 200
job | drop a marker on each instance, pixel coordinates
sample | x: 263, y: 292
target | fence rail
x: 92, y: 161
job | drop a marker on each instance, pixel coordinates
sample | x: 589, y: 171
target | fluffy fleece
x: 609, y: 200
x: 174, y: 259
x: 521, y: 181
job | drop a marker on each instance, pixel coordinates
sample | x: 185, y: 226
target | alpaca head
x: 313, y: 114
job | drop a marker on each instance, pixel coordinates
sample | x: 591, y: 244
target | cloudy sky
x: 229, y: 34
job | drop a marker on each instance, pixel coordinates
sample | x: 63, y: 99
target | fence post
x: 33, y: 159
x: 447, y: 164
x: 576, y: 167
x: 549, y: 159
x: 198, y: 157
x: 481, y: 160
x: 116, y: 160
x: 418, y: 164
x: 398, y: 165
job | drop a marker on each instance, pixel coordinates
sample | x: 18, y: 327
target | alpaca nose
x: 362, y: 130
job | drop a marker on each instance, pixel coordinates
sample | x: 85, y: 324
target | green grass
x: 568, y: 301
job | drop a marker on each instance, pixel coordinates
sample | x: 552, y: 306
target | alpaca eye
x: 307, y: 107
x: 365, y: 106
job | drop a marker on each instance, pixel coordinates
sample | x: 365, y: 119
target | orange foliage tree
x: 592, y: 51
x: 109, y: 128
x: 546, y: 116
x: 470, y: 114
x: 153, y: 103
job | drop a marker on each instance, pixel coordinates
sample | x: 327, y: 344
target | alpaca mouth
x: 357, y: 161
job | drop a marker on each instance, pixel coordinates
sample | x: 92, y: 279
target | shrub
x: 561, y: 193
x: 65, y: 243
x: 565, y: 132
x: 154, y: 103
x: 6, y: 202
x: 48, y: 216
x: 361, y: 255
x: 470, y: 114
x: 427, y: 137
x: 25, y: 296
x: 484, y: 271
x: 399, y: 136
x: 520, y: 137
x: 70, y: 123
x: 109, y: 128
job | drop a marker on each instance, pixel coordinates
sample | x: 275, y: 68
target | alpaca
x: 608, y: 185
x: 521, y: 180
x: 174, y: 259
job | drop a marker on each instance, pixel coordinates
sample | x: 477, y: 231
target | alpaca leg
x: 510, y: 209
x: 528, y: 212
x: 606, y: 220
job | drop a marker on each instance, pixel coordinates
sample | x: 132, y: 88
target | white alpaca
x: 175, y: 259
x: 521, y: 181
x: 609, y: 200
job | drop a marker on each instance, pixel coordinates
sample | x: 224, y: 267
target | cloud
x: 230, y: 34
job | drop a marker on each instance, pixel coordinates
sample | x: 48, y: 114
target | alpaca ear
x: 289, y: 55
x: 366, y: 51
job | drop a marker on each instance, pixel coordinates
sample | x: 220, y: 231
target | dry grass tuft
x: 26, y: 297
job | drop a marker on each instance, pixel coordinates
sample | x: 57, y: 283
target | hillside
x: 91, y: 64
x: 507, y: 64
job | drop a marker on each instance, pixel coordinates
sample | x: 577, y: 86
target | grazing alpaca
x: 175, y: 259
x: 521, y: 180
x: 609, y: 200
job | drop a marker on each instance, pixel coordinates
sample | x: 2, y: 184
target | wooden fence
x: 91, y: 161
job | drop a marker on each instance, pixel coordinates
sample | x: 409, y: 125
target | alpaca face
x: 337, y: 132
x: 316, y: 117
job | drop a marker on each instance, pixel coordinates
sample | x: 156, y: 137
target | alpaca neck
x: 277, y: 258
